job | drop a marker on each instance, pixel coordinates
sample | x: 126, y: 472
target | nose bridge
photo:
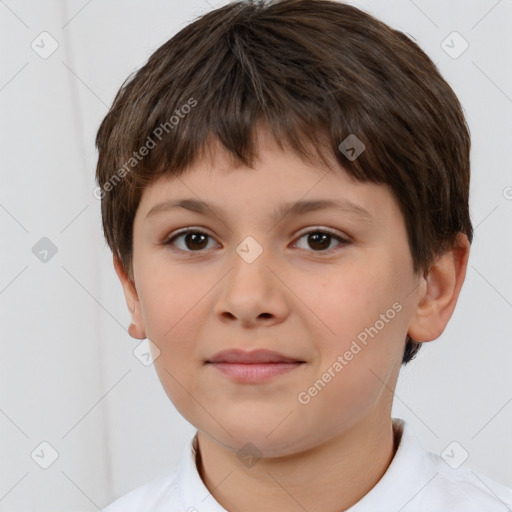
x: 250, y: 263
x: 251, y: 288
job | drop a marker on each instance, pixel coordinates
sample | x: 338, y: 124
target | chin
x: 262, y: 437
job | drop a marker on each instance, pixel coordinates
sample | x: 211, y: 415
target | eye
x: 194, y: 240
x: 321, y: 239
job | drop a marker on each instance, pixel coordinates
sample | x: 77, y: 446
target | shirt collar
x: 409, y: 472
x: 193, y: 494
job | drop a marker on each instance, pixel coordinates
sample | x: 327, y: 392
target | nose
x: 252, y: 292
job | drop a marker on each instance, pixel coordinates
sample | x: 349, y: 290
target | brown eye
x: 320, y: 241
x: 194, y: 241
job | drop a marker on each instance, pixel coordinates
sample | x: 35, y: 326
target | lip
x: 251, y: 357
x: 253, y: 366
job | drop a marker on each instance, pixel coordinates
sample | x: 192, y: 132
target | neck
x: 329, y: 478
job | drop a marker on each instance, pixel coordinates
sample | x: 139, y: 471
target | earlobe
x: 136, y: 329
x: 440, y: 292
x: 136, y: 333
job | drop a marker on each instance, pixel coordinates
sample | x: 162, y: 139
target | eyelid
x: 342, y: 238
x: 323, y: 229
x: 184, y: 231
x: 301, y: 233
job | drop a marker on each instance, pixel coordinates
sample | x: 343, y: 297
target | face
x: 331, y: 290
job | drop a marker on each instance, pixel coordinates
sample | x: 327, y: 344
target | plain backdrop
x: 73, y: 396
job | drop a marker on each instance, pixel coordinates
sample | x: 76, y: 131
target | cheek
x: 168, y: 302
x: 358, y: 358
x: 173, y: 323
x: 363, y: 315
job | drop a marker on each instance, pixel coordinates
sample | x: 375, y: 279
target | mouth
x: 253, y: 366
x: 236, y: 356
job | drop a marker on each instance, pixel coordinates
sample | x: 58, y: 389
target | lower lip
x: 255, y: 372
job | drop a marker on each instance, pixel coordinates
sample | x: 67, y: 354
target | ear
x: 439, y: 291
x: 136, y: 329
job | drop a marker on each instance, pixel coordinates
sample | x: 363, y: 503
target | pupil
x: 316, y: 239
x: 194, y: 237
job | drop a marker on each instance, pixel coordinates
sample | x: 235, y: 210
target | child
x: 259, y: 131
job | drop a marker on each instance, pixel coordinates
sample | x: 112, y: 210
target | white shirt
x: 415, y: 481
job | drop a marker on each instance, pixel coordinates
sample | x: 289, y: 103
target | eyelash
x: 343, y: 242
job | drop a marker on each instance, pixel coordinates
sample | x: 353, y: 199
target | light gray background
x: 68, y: 375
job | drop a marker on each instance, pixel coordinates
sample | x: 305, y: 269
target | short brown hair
x: 315, y: 71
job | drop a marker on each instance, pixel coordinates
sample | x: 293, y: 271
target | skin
x: 302, y: 299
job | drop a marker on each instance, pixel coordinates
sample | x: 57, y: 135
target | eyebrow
x: 294, y: 208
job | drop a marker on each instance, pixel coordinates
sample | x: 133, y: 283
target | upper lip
x: 251, y: 357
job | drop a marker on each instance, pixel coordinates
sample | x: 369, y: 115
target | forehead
x: 279, y: 181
